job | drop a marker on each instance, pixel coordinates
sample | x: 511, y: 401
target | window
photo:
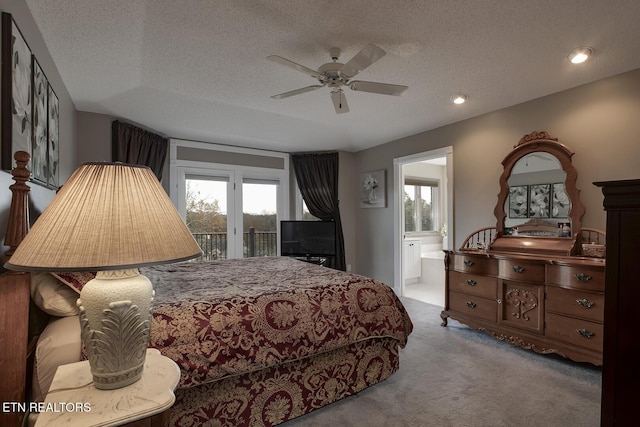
x: 306, y: 215
x: 302, y: 211
x: 421, y: 205
x: 230, y: 214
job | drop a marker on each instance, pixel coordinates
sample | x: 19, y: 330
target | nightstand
x: 74, y: 401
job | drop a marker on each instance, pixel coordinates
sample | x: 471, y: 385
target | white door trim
x: 398, y: 207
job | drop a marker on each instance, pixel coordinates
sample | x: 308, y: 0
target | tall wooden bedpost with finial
x: 18, y: 223
x: 14, y: 301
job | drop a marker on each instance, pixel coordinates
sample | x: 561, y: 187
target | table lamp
x: 110, y: 218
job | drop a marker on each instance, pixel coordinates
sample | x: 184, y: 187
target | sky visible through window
x: 257, y: 198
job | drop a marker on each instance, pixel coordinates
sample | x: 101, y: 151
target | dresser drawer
x: 585, y: 305
x: 575, y: 331
x: 520, y: 271
x: 575, y: 276
x: 470, y: 305
x: 476, y: 265
x: 473, y: 284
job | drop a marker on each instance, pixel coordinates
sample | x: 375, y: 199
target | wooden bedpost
x: 14, y: 303
x: 18, y: 224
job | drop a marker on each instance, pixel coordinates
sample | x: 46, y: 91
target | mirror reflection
x: 537, y: 196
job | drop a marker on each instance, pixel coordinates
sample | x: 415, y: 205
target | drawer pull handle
x: 471, y: 282
x: 582, y: 277
x: 585, y: 332
x: 585, y: 303
x: 518, y: 269
x: 468, y: 262
x: 471, y: 304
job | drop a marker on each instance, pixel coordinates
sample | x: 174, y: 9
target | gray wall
x: 348, y: 195
x: 600, y: 121
x: 94, y: 137
x: 40, y: 196
x: 94, y: 140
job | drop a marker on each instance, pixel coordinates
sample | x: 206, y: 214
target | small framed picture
x: 372, y: 189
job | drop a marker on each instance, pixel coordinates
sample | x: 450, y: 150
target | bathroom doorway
x: 423, y: 219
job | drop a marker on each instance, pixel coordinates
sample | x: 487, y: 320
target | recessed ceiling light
x: 459, y: 98
x: 581, y: 54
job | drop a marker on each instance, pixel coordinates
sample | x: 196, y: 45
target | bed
x: 259, y: 341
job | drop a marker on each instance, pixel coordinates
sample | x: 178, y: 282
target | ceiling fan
x: 335, y: 75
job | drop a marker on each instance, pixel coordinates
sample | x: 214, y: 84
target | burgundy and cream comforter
x: 224, y: 318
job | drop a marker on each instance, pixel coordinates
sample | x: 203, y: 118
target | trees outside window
x: 206, y: 218
x: 420, y: 206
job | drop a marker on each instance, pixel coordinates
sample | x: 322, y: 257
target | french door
x: 233, y: 213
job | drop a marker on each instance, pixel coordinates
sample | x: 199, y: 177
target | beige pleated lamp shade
x: 108, y: 216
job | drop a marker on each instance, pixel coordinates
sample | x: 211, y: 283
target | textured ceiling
x: 197, y: 69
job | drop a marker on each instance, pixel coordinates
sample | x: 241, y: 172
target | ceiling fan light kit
x: 336, y: 75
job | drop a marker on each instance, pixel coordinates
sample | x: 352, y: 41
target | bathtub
x: 432, y: 255
x: 432, y: 267
x: 433, y: 276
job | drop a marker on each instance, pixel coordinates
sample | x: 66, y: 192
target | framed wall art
x: 39, y: 157
x: 560, y: 201
x: 372, y: 189
x: 30, y: 109
x: 16, y: 81
x: 518, y: 201
x: 53, y: 126
x: 539, y: 200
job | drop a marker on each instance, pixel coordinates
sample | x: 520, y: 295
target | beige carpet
x: 455, y: 376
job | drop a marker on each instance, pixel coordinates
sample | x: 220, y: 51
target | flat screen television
x: 308, y: 238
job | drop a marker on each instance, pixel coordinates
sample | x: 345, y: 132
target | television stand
x: 323, y: 261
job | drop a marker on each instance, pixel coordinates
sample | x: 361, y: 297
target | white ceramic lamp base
x: 115, y: 319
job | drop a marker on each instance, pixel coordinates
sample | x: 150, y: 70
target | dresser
x: 545, y: 304
x: 536, y: 280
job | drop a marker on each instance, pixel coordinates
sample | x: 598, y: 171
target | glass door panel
x: 206, y: 214
x: 259, y: 217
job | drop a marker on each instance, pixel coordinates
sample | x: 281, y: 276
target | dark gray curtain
x: 130, y: 144
x: 317, y: 176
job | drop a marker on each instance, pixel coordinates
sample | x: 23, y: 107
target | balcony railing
x: 255, y: 243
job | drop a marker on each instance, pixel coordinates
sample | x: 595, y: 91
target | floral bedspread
x: 222, y: 318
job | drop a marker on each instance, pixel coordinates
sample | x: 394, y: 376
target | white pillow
x: 53, y: 296
x: 59, y: 344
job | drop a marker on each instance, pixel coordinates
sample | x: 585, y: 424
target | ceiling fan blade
x: 382, y: 88
x: 339, y: 101
x: 362, y: 60
x: 296, y: 92
x: 295, y: 66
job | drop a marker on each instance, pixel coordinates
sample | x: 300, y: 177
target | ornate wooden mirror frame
x: 531, y: 143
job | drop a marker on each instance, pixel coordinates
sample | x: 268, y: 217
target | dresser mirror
x: 537, y: 191
x: 539, y: 206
